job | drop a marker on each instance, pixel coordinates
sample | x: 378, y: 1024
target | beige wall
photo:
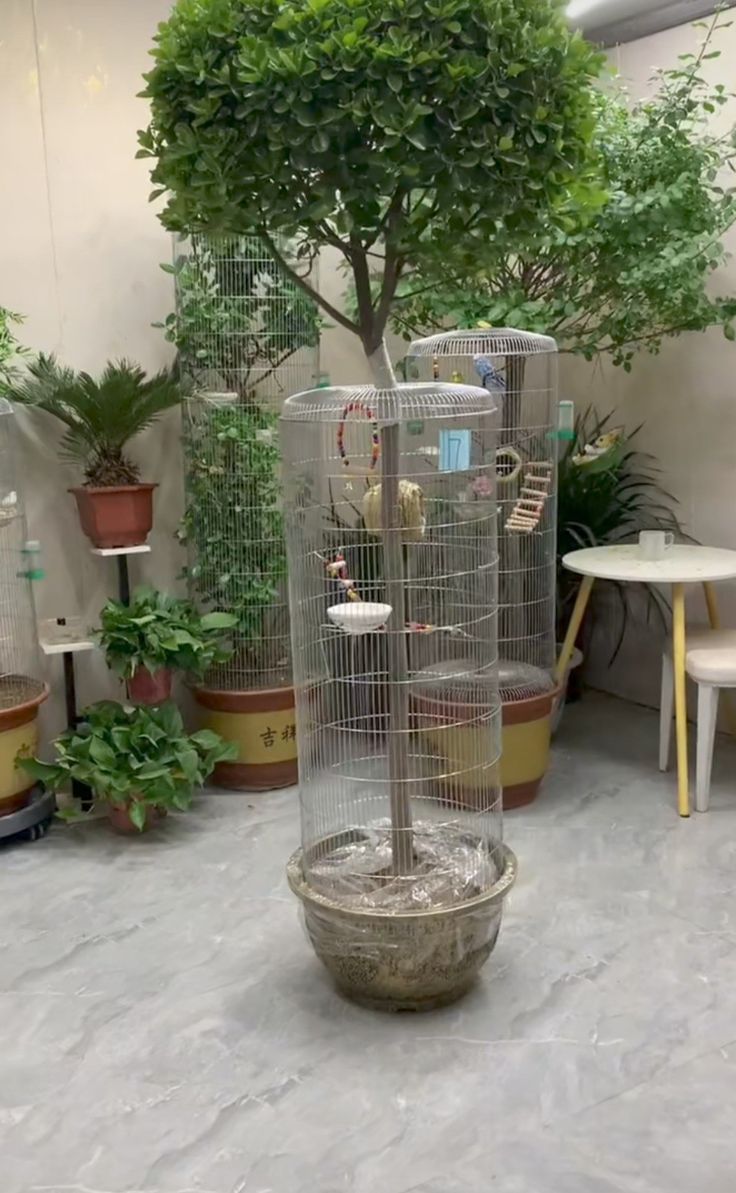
x: 80, y: 248
x: 687, y: 399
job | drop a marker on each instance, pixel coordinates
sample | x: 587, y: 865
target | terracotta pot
x: 115, y: 516
x: 146, y: 687
x: 18, y: 734
x: 119, y: 818
x: 262, y: 725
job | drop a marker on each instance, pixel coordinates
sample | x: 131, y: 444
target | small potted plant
x: 139, y: 760
x: 101, y: 416
x: 155, y: 635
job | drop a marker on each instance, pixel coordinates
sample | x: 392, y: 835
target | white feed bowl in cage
x: 359, y: 617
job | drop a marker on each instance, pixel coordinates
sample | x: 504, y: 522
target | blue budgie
x: 489, y: 375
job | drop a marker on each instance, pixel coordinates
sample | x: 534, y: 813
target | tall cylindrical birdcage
x: 390, y: 508
x: 247, y: 337
x: 520, y: 370
x: 21, y: 690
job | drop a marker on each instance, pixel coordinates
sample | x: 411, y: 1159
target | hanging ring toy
x: 359, y: 408
x: 508, y: 465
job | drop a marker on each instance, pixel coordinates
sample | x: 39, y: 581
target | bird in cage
x: 412, y: 511
x: 8, y: 507
x: 603, y: 452
x: 489, y: 375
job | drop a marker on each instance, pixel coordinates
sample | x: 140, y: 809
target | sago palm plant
x: 100, y: 415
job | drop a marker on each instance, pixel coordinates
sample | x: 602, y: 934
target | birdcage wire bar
x: 247, y: 337
x: 399, y: 720
x: 520, y: 370
x: 20, y: 663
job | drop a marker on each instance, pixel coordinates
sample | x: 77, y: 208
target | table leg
x: 678, y: 654
x: 715, y: 624
x: 578, y: 613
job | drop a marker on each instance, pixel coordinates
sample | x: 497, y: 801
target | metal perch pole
x: 402, y: 848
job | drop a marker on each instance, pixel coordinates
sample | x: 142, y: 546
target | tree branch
x: 304, y: 285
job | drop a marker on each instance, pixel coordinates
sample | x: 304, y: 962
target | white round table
x: 681, y: 564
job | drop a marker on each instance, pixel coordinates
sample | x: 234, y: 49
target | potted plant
x: 608, y: 499
x: 348, y: 125
x: 139, y: 760
x: 101, y: 416
x: 155, y: 635
x: 247, y: 336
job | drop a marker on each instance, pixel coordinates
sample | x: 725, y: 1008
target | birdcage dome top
x: 413, y: 400
x: 487, y: 341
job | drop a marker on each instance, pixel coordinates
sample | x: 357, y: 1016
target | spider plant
x: 609, y: 504
x: 100, y: 415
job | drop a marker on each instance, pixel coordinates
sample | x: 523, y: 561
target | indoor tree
x: 633, y: 272
x: 386, y: 130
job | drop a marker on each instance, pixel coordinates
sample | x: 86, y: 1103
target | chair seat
x: 713, y: 664
x: 711, y: 656
x: 702, y: 637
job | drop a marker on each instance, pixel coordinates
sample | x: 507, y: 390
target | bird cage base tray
x: 404, y: 960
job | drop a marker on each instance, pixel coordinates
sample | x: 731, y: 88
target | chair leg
x: 707, y: 716
x: 666, y: 711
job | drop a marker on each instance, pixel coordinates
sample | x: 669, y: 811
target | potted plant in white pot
x: 157, y: 634
x: 138, y: 760
x: 101, y: 416
x: 383, y: 131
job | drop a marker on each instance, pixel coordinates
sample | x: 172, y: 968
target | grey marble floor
x: 165, y: 1028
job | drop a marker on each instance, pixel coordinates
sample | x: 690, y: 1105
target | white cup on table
x: 654, y: 544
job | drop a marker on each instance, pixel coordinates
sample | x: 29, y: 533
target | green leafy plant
x: 233, y: 526
x: 606, y: 504
x: 134, y: 758
x: 238, y: 317
x: 11, y: 351
x: 101, y: 415
x: 160, y: 631
x: 383, y: 129
x: 630, y: 274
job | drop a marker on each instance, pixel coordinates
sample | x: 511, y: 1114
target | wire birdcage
x: 520, y: 370
x: 20, y: 663
x: 248, y: 337
x: 390, y: 508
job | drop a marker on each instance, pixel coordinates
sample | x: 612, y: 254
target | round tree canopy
x: 357, y: 121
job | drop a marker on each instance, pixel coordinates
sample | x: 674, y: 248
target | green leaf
x: 137, y: 813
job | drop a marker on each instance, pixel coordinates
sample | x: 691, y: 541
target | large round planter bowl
x: 262, y: 724
x: 18, y: 735
x: 525, y: 741
x: 115, y: 515
x: 404, y: 961
x: 146, y: 687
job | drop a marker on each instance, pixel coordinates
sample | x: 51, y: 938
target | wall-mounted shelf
x: 142, y: 549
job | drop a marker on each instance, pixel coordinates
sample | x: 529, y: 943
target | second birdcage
x: 519, y: 370
x: 247, y: 337
x: 390, y: 505
x: 21, y: 689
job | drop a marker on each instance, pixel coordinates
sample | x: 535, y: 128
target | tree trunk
x: 402, y: 846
